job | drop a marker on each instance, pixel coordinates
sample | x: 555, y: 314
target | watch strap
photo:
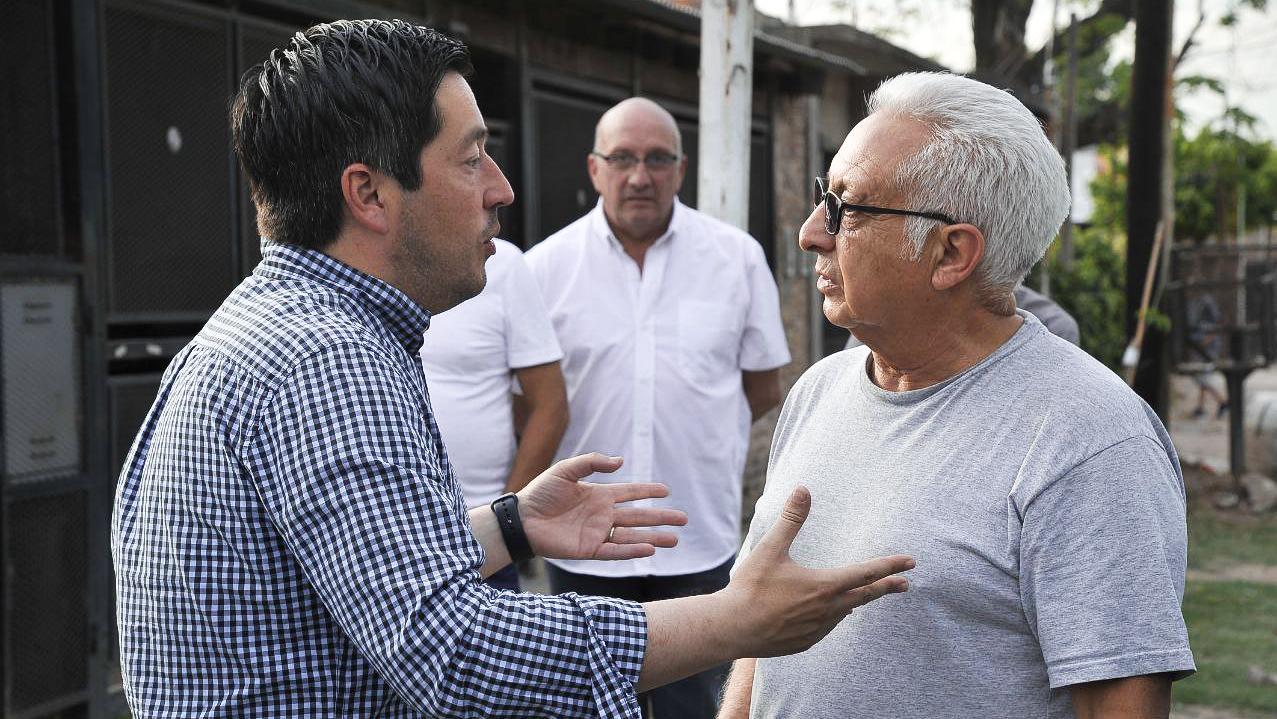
x: 506, y: 507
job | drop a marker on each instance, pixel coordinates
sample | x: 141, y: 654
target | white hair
x: 987, y: 162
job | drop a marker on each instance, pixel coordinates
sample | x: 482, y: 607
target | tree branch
x: 1192, y: 35
x: 1088, y: 42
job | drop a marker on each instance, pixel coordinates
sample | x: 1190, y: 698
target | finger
x: 881, y: 588
x: 583, y: 465
x: 865, y: 573
x: 622, y: 535
x: 630, y: 491
x: 624, y: 551
x: 650, y: 517
x: 781, y: 536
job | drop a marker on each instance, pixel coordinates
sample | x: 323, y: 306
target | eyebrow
x: 839, y: 188
x: 475, y: 135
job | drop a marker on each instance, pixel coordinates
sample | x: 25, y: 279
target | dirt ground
x: 1203, y: 441
x: 1256, y: 573
x: 1196, y: 712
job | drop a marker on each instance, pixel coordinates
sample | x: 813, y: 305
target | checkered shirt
x: 289, y: 539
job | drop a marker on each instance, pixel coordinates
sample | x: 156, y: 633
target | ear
x: 682, y: 174
x: 595, y: 166
x: 955, y: 254
x: 369, y: 197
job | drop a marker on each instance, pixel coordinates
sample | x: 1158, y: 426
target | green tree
x: 1217, y: 169
x: 1212, y: 167
x: 1092, y: 290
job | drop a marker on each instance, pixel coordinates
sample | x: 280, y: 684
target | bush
x: 1093, y: 291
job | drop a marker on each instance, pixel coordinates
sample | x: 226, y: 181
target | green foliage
x: 1220, y: 540
x: 1224, y: 166
x: 1214, y: 170
x: 1103, y: 83
x: 1158, y: 320
x: 1108, y: 191
x: 1211, y: 169
x: 1092, y: 290
x: 1232, y: 626
x: 1201, y: 82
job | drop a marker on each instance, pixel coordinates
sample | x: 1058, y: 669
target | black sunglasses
x: 834, y: 207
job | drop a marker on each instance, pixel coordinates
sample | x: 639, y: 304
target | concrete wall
x: 791, y: 176
x: 836, y: 116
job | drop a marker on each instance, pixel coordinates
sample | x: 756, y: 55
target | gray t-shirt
x: 1044, y: 504
x: 1059, y: 322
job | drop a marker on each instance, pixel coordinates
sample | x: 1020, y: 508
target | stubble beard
x: 435, y: 279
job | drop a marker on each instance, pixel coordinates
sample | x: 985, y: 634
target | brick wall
x: 791, y: 178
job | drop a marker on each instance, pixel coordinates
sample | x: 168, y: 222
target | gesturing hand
x: 785, y: 607
x: 566, y: 518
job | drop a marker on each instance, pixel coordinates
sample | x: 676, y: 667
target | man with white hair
x: 1042, y: 498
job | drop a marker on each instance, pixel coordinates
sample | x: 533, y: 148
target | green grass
x: 1214, y: 542
x: 1231, y: 626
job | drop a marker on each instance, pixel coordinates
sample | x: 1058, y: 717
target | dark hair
x: 340, y: 93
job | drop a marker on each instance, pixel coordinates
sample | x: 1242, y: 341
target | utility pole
x: 727, y: 84
x: 1053, y: 106
x: 1068, y: 140
x: 1145, y: 141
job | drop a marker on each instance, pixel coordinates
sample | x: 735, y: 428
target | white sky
x: 1241, y: 56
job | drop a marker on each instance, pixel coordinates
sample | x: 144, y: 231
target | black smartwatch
x: 506, y: 507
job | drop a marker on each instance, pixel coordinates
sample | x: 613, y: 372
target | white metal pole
x: 727, y: 69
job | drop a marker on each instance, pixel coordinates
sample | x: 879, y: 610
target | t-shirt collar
x: 1029, y: 328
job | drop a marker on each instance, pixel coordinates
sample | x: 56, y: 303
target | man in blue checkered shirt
x: 288, y: 536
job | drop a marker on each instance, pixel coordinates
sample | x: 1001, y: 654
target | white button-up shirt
x: 653, y: 363
x: 468, y: 355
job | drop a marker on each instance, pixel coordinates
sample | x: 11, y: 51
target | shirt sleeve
x: 762, y: 345
x: 348, y: 464
x: 530, y: 338
x: 1103, y: 552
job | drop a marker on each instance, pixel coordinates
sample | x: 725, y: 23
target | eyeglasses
x: 624, y: 161
x: 834, y: 207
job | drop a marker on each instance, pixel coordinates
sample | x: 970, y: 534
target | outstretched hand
x: 566, y: 518
x: 787, y: 607
x: 772, y: 606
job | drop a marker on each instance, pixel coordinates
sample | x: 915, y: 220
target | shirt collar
x: 405, y: 319
x: 600, y: 227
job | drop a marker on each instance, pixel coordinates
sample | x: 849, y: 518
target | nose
x: 812, y: 236
x: 499, y: 192
x: 639, y: 176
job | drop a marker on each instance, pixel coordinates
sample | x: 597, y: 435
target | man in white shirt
x: 472, y: 356
x: 670, y: 326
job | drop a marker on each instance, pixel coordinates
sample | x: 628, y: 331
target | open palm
x: 566, y: 518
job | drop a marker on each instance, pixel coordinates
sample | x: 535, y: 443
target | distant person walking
x: 1205, y: 343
